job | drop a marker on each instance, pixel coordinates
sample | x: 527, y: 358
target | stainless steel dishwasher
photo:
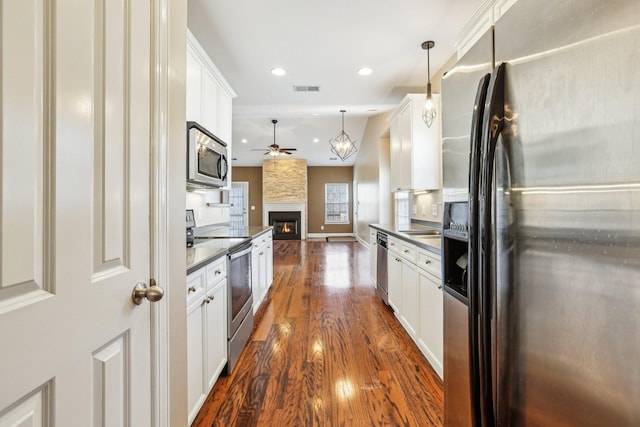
x: 382, y: 277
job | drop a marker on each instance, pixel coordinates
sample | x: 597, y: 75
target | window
x: 403, y: 206
x: 336, y: 203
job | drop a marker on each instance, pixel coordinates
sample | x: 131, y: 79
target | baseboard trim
x: 324, y: 235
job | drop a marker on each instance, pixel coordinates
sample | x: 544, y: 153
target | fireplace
x: 269, y: 208
x: 287, y: 225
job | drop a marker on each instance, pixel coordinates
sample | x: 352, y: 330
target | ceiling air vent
x: 306, y: 88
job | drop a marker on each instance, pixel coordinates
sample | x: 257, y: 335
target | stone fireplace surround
x: 283, y: 207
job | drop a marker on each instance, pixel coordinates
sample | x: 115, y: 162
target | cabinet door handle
x: 392, y: 244
x: 218, y: 271
x: 427, y: 262
x: 406, y: 251
x: 192, y: 289
x: 261, y: 253
x: 207, y: 300
x: 398, y: 259
x: 439, y: 286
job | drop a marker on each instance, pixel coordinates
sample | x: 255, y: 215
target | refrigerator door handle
x: 492, y: 125
x: 472, y: 285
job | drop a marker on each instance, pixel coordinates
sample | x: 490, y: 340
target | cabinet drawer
x: 404, y: 249
x: 430, y: 262
x: 196, y: 283
x: 262, y: 241
x: 216, y: 271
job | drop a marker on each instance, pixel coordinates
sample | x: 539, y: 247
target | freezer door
x: 569, y: 160
x: 458, y: 96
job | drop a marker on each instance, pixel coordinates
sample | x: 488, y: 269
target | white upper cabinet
x: 485, y: 17
x: 194, y: 86
x: 415, y: 148
x: 209, y: 96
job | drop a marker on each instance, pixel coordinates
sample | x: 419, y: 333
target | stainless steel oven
x: 240, y: 302
x: 207, y: 164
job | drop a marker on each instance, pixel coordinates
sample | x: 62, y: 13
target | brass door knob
x: 141, y: 291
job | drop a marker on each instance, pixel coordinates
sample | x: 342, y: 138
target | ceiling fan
x: 274, y: 149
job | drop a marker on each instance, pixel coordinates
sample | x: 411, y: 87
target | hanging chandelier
x: 342, y: 145
x: 429, y: 110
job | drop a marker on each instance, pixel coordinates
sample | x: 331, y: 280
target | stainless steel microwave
x: 207, y: 164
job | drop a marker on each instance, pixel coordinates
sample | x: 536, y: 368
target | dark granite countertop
x: 432, y: 243
x: 210, y: 250
x: 225, y: 232
x: 212, y: 243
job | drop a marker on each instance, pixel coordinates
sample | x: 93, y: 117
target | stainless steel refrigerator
x: 553, y: 189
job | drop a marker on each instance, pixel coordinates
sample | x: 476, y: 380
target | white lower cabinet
x: 216, y: 332
x: 268, y: 250
x: 261, y: 268
x: 195, y: 358
x: 402, y: 272
x: 373, y: 254
x: 206, y: 331
x: 409, y: 316
x: 430, y: 335
x: 256, y: 283
x: 394, y: 282
x: 415, y: 295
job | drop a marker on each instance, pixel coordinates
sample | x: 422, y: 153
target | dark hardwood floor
x: 325, y: 352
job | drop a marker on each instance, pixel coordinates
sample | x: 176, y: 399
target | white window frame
x: 402, y: 209
x: 343, y: 210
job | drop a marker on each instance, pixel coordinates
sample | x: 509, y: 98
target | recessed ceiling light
x: 278, y: 71
x: 243, y: 140
x: 365, y: 71
x: 315, y: 114
x: 316, y: 140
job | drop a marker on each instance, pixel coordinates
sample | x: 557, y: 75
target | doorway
x: 239, y: 201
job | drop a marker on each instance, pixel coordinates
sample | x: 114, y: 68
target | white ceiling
x: 321, y: 43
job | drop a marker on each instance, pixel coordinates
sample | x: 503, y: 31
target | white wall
x: 371, y: 171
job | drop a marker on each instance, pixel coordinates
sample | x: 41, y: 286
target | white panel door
x: 74, y: 212
x: 239, y: 200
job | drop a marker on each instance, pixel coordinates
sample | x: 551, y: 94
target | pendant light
x: 429, y: 110
x: 342, y: 144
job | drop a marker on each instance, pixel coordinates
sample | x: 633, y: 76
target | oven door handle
x: 240, y: 251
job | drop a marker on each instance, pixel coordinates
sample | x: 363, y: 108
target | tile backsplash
x: 207, y: 215
x: 427, y: 206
